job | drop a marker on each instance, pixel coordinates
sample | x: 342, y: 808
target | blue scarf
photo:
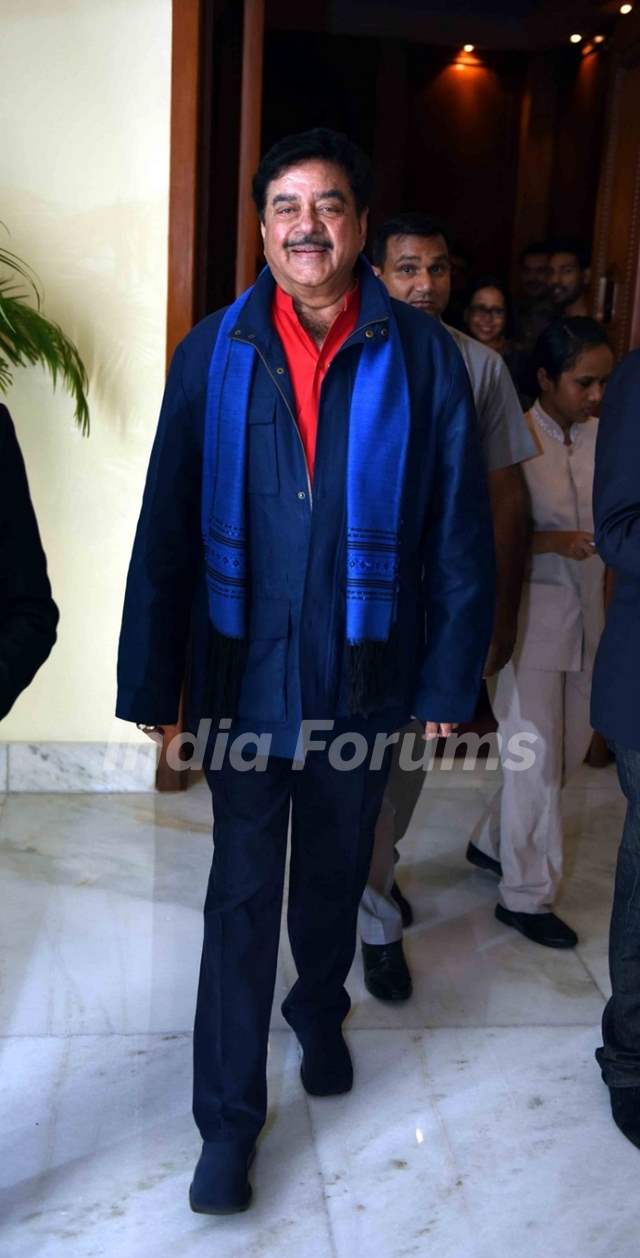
x: 376, y: 459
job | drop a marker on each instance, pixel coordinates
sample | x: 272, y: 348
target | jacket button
x: 279, y: 371
x: 369, y: 333
x: 301, y: 495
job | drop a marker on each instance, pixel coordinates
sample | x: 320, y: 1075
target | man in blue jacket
x: 315, y: 488
x: 615, y: 712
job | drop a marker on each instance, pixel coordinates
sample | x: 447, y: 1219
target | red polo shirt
x: 308, y: 364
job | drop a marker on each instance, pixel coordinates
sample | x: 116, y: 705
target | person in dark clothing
x: 315, y: 485
x: 533, y: 309
x: 615, y: 708
x: 28, y: 614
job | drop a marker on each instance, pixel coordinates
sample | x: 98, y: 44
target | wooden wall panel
x: 616, y: 269
x: 461, y: 153
x: 183, y: 177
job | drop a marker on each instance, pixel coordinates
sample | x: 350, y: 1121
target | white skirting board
x: 68, y: 767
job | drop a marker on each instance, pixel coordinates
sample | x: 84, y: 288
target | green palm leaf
x: 27, y: 337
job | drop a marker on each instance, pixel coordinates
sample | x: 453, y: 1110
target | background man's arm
x: 512, y: 532
x: 459, y: 568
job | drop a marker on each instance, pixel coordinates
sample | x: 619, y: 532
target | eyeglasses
x: 492, y: 312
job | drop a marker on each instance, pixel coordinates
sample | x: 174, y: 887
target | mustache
x: 320, y: 242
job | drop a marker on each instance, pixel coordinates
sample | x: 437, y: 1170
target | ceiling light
x: 469, y: 47
x: 575, y: 39
x: 626, y: 8
x: 598, y: 39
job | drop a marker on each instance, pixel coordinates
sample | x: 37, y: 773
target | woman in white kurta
x: 543, y: 693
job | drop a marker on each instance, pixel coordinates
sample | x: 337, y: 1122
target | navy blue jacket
x: 28, y: 614
x: 295, y: 667
x: 615, y: 697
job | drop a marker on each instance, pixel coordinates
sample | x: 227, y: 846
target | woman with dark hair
x: 488, y: 318
x: 541, y: 698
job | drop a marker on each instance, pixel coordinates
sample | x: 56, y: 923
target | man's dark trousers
x: 333, y: 815
x: 620, y: 1056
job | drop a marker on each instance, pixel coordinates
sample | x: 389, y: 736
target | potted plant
x: 26, y: 336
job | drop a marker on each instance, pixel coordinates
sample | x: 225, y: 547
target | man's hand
x: 438, y: 729
x: 501, y: 648
x: 571, y: 543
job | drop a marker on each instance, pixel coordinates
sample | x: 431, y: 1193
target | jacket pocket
x: 263, y: 693
x: 262, y: 454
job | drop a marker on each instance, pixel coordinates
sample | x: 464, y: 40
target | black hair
x: 565, y: 244
x: 318, y: 144
x: 558, y: 348
x: 411, y: 223
x: 536, y: 246
x: 492, y: 281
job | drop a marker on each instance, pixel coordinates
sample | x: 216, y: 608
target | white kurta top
x: 562, y: 610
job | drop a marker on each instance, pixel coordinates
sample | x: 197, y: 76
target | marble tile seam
x: 428, y: 1028
x: 591, y: 976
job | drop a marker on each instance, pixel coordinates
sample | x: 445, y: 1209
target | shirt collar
x: 552, y: 429
x: 284, y: 301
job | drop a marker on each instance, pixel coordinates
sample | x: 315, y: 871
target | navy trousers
x: 619, y: 1056
x: 333, y: 816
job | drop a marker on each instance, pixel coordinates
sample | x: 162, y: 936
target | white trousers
x: 522, y: 827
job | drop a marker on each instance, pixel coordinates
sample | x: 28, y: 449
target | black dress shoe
x: 541, y: 928
x: 482, y: 861
x: 625, y: 1107
x: 406, y: 912
x: 386, y: 973
x: 220, y: 1182
x: 326, y: 1069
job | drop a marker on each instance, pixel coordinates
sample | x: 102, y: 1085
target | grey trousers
x: 379, y: 918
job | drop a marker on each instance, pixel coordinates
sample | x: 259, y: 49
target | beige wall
x: 84, y: 193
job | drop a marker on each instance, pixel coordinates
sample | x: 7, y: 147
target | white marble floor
x: 478, y: 1126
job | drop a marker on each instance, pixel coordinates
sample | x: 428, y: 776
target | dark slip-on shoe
x: 406, y: 912
x: 540, y: 928
x: 386, y: 973
x: 625, y: 1108
x: 326, y: 1068
x: 481, y: 861
x: 220, y: 1182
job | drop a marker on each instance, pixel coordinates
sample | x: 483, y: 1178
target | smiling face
x: 417, y: 270
x: 577, y: 393
x: 486, y: 315
x: 312, y: 232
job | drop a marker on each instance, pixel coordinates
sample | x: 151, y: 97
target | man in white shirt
x: 411, y: 256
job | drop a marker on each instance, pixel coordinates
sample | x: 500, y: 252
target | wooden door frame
x: 186, y: 62
x: 186, y: 75
x: 189, y: 177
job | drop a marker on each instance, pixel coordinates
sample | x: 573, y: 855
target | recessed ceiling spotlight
x: 575, y: 39
x: 626, y: 8
x: 598, y: 39
x: 469, y: 48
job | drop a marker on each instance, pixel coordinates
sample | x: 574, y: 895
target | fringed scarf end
x: 227, y: 658
x: 373, y: 676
